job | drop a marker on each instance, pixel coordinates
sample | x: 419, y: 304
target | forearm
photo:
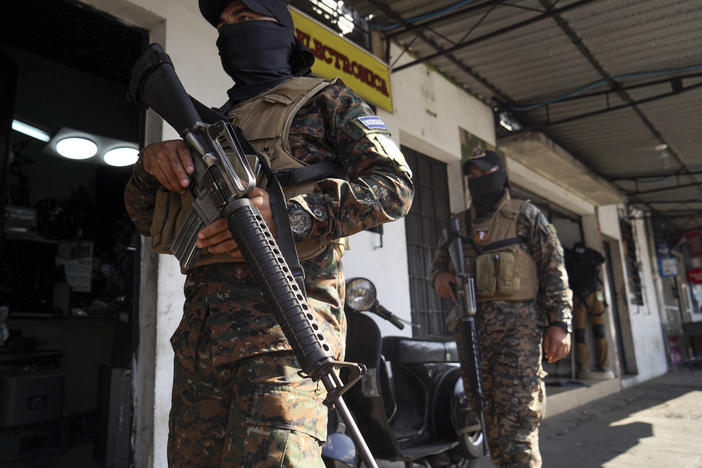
x: 341, y: 208
x: 139, y: 198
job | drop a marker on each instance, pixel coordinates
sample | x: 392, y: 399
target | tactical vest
x: 504, y: 270
x: 265, y: 120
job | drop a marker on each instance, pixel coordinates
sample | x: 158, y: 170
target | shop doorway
x: 68, y: 258
x: 569, y: 230
x: 618, y: 306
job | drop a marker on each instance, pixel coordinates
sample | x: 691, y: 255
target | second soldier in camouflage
x: 524, y: 306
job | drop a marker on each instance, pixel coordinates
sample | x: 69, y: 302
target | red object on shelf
x: 695, y: 275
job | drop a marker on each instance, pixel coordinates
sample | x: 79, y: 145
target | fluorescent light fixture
x: 28, y: 130
x: 509, y: 122
x: 76, y: 148
x: 121, y: 156
x: 92, y: 148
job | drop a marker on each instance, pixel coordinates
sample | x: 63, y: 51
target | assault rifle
x: 220, y: 183
x: 463, y: 322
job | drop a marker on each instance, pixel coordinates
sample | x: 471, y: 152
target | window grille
x: 426, y: 220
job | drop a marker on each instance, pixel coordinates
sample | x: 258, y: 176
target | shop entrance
x: 620, y: 315
x: 68, y: 252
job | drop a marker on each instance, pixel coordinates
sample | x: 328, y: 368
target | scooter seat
x: 400, y: 349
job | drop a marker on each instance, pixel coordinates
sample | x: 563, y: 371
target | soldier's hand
x: 217, y: 238
x: 170, y: 162
x: 556, y: 343
x: 442, y: 284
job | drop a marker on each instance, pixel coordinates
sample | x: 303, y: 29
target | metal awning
x: 617, y: 84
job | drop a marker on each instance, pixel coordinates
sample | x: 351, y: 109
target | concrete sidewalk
x: 654, y: 424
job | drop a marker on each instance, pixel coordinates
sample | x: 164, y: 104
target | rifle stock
x: 220, y: 183
x: 464, y: 324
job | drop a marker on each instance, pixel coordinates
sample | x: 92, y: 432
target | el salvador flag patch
x: 372, y: 122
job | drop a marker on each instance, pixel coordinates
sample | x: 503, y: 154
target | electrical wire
x: 600, y: 82
x: 424, y: 16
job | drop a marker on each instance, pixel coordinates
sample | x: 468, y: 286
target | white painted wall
x: 649, y: 347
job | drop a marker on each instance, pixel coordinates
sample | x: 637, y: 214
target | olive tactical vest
x: 504, y: 270
x: 265, y: 120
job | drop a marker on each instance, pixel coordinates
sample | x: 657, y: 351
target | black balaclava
x: 262, y: 62
x: 486, y: 191
x: 260, y: 54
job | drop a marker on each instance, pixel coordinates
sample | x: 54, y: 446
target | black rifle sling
x: 275, y: 191
x: 502, y: 243
x: 312, y: 172
x: 282, y: 223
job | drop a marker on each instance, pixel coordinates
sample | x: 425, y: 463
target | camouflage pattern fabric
x: 511, y: 345
x: 225, y: 296
x: 257, y: 412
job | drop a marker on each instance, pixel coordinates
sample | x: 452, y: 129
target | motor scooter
x: 410, y: 404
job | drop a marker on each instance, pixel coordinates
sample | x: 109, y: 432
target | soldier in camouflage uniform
x: 524, y: 304
x: 238, y: 399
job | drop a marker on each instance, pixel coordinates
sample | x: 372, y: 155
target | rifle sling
x: 312, y: 172
x: 282, y: 223
x: 501, y: 243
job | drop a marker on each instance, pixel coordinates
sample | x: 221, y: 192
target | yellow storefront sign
x: 335, y: 56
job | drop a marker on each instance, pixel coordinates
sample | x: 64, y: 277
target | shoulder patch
x: 372, y: 123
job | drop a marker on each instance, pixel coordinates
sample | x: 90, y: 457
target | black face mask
x: 486, y: 191
x: 255, y: 52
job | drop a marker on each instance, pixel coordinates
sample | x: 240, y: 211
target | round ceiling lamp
x: 76, y: 148
x: 122, y: 156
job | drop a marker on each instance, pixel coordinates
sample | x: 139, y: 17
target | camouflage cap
x: 485, y: 160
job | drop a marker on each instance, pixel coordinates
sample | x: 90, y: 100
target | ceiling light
x: 28, y: 130
x: 76, y: 148
x: 509, y: 122
x: 122, y: 156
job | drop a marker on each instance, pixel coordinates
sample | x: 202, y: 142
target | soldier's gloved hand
x: 170, y: 162
x: 442, y: 284
x: 217, y: 238
x: 556, y: 343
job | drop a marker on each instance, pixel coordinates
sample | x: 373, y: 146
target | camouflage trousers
x: 256, y: 412
x: 510, y: 343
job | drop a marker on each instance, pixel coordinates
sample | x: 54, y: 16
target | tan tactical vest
x: 266, y: 120
x: 504, y: 270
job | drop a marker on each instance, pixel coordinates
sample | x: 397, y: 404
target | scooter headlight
x: 360, y: 294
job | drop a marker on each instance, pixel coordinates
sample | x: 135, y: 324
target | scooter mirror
x: 360, y: 294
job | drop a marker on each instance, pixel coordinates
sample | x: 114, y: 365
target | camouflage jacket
x: 554, y: 300
x: 378, y: 190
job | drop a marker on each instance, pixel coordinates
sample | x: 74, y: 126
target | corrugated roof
x: 514, y: 54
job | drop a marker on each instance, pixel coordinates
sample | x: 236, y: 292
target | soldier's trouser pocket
x: 277, y: 418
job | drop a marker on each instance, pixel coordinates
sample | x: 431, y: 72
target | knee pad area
x: 579, y: 334
x: 598, y: 331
